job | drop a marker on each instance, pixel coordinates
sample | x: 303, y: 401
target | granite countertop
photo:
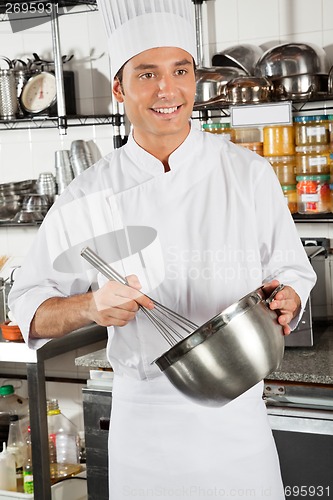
x: 309, y: 364
x: 300, y: 364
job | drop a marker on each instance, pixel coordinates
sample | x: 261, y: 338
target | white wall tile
x: 258, y: 18
x: 300, y: 16
x: 327, y: 14
x: 223, y: 16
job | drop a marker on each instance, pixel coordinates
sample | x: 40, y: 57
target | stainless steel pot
x: 302, y: 87
x: 247, y: 89
x: 229, y: 354
x: 210, y: 81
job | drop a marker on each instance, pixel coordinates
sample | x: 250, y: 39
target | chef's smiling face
x: 158, y: 89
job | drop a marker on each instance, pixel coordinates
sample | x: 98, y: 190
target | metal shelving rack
x: 62, y: 121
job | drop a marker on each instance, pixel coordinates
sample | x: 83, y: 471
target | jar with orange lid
x: 311, y: 130
x: 290, y: 195
x: 279, y: 140
x: 312, y: 160
x: 313, y: 194
x: 219, y: 128
x: 284, y: 167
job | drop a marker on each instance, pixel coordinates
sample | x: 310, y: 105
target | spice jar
x: 290, y: 195
x: 247, y: 135
x: 284, y: 167
x: 312, y: 160
x: 219, y: 128
x: 257, y: 147
x: 311, y: 130
x: 313, y: 194
x: 279, y: 140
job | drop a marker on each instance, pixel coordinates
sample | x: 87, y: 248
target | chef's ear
x: 117, y: 90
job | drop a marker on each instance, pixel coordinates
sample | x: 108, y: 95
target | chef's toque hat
x: 133, y: 26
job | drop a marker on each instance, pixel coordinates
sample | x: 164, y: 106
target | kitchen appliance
x: 316, y: 306
x: 221, y: 359
x: 301, y: 418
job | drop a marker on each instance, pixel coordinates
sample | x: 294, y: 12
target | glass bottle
x: 28, y: 479
x: 63, y: 443
x: 17, y: 447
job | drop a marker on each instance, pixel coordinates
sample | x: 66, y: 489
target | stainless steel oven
x: 316, y: 306
x: 301, y: 417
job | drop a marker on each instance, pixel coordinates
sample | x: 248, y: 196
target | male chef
x: 192, y: 220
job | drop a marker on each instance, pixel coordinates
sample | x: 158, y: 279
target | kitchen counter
x: 34, y: 362
x: 300, y: 364
x: 309, y: 364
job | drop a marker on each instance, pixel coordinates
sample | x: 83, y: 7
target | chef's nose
x: 166, y: 86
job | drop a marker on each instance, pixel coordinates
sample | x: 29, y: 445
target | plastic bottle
x: 7, y: 470
x: 63, y: 436
x: 17, y: 447
x: 11, y: 403
x: 28, y: 479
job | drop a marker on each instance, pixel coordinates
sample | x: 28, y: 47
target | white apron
x: 163, y: 446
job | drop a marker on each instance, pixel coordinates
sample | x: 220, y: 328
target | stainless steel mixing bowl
x: 229, y: 354
x: 290, y: 59
x: 243, y: 56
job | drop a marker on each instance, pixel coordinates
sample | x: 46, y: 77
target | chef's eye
x: 181, y: 72
x: 147, y: 76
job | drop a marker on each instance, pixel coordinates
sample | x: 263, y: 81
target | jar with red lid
x: 290, y: 195
x: 313, y: 194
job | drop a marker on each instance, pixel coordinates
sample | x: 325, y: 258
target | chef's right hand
x: 115, y: 304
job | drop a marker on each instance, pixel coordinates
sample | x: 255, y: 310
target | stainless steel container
x: 8, y: 96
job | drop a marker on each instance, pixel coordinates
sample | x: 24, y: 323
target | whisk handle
x: 102, y: 266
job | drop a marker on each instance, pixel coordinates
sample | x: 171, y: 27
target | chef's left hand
x: 286, y: 302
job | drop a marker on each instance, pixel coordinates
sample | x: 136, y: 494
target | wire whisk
x: 172, y: 326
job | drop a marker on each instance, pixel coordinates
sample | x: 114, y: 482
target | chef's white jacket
x: 199, y: 237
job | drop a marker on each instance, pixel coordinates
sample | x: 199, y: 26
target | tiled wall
x: 24, y: 154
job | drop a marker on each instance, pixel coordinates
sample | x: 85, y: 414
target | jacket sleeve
x: 282, y: 254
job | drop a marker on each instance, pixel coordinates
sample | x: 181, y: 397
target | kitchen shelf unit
x: 323, y: 105
x: 34, y: 360
x: 62, y: 121
x: 42, y: 122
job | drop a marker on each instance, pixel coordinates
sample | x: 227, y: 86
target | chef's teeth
x: 166, y: 110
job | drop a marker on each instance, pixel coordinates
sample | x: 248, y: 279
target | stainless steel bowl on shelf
x: 244, y: 56
x: 289, y: 59
x: 210, y: 82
